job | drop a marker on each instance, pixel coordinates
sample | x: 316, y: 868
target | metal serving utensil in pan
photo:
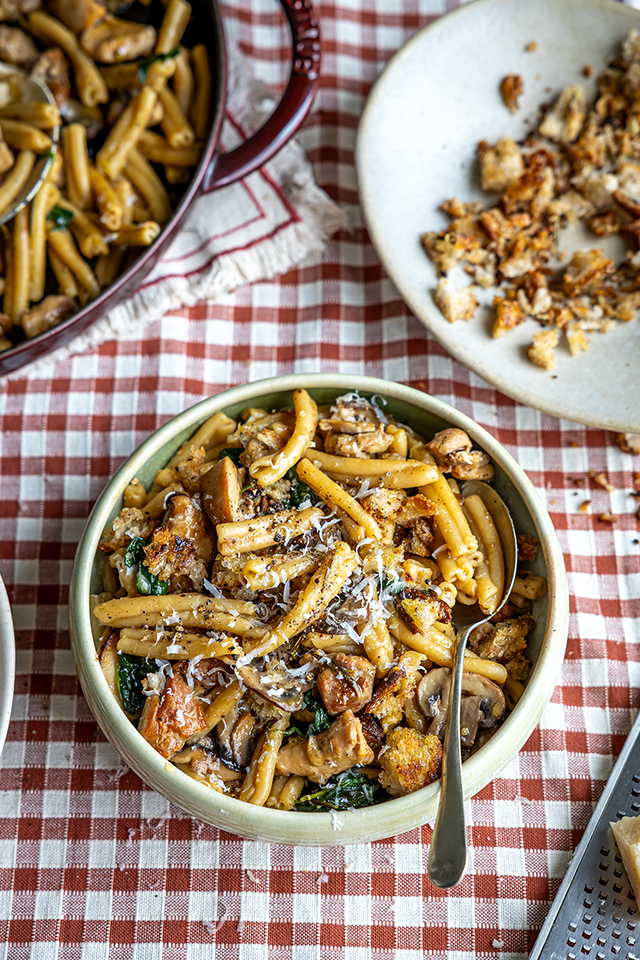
x: 448, y: 851
x: 30, y: 90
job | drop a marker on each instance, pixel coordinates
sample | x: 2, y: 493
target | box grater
x: 594, y: 913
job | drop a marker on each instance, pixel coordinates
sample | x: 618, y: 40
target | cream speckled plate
x: 7, y: 663
x: 435, y: 100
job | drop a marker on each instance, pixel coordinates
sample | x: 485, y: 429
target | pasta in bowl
x: 272, y: 592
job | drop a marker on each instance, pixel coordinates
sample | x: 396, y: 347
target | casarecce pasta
x: 277, y: 609
x: 132, y: 104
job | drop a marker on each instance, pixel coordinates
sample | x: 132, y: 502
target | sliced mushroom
x: 112, y: 40
x: 276, y: 683
x: 482, y: 704
x: 220, y: 488
x: 203, y: 758
x: 235, y: 738
x: 447, y: 443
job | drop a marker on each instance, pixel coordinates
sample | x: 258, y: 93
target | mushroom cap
x: 449, y: 441
x: 483, y: 702
x: 275, y: 682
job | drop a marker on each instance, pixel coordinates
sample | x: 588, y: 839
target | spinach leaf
x: 48, y: 155
x: 131, y: 671
x: 321, y: 720
x: 61, y: 217
x: 144, y: 65
x: 233, y: 453
x: 299, y: 491
x: 343, y: 792
x: 146, y: 582
x: 134, y: 552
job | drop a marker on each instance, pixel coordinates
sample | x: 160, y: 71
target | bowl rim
x: 7, y: 663
x: 312, y: 829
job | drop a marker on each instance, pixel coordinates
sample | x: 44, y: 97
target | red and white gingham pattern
x: 93, y: 865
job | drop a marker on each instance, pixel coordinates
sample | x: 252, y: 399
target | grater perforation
x: 596, y: 887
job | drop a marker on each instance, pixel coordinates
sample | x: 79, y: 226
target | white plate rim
x: 625, y: 422
x: 7, y: 663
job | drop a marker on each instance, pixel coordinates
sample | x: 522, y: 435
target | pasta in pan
x: 280, y: 629
x: 133, y: 122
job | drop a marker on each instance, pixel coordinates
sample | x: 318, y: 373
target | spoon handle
x: 448, y: 851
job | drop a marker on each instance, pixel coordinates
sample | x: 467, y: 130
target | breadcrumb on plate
x: 541, y: 350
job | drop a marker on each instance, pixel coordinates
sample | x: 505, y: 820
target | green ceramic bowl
x: 546, y: 644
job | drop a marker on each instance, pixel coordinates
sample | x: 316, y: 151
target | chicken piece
x: 347, y: 684
x: 509, y: 315
x: 455, y: 304
x: 564, y: 121
x: 220, y: 488
x: 340, y: 747
x: 170, y: 717
x: 541, y: 350
x: 500, y: 165
x: 350, y: 416
x: 131, y: 522
x: 411, y: 761
x: 16, y: 46
x: 358, y: 445
x: 511, y: 88
x: 52, y: 69
x: 586, y: 271
x: 49, y: 312
x: 16, y: 9
x: 182, y: 545
x: 78, y: 15
x: 111, y: 40
x: 451, y: 449
x: 504, y: 641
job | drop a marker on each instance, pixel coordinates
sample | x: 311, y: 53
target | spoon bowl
x: 448, y: 851
x: 31, y: 90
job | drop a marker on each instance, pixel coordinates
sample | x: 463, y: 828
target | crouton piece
x: 182, y: 545
x: 504, y: 640
x: 509, y: 315
x: 564, y: 121
x: 541, y: 350
x: 511, y: 88
x: 455, y: 304
x: 500, y: 165
x: 587, y: 269
x: 411, y: 761
x: 131, y: 522
x: 576, y: 338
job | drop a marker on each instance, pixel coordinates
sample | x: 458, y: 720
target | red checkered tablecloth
x: 93, y: 864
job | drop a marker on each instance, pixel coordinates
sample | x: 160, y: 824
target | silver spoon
x: 448, y: 851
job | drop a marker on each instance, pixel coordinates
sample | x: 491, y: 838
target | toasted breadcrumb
x: 509, y: 314
x: 607, y: 517
x: 532, y: 46
x: 541, y: 350
x: 411, y: 761
x: 600, y: 479
x: 628, y: 442
x: 500, y: 165
x: 455, y: 304
x: 511, y: 88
